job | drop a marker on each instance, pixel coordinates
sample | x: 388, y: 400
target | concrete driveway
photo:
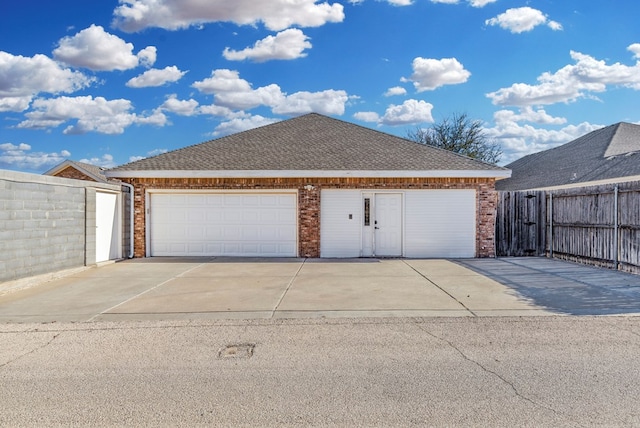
x: 206, y: 288
x: 225, y: 288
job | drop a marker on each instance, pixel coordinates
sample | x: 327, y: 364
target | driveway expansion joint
x: 440, y: 288
x: 143, y: 292
x: 286, y: 290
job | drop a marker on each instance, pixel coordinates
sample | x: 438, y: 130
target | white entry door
x: 107, y: 236
x: 388, y: 224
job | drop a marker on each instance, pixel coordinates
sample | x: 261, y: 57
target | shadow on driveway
x: 564, y: 287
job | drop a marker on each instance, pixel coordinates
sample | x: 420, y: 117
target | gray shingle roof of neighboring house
x: 310, y: 142
x: 93, y: 171
x: 608, y: 154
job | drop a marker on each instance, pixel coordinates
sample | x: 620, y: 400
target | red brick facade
x: 71, y: 172
x: 309, y: 201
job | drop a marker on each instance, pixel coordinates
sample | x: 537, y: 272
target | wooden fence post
x: 615, y: 228
x: 551, y: 224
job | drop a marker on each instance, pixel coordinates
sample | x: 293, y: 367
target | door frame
x: 115, y: 239
x: 368, y: 242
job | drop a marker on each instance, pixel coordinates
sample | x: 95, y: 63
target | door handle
x: 376, y: 227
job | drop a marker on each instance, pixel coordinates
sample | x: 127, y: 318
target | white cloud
x: 522, y: 19
x: 90, y: 114
x: 105, y: 161
x: 396, y: 90
x: 287, y: 44
x: 180, y: 107
x: 409, y: 112
x: 156, y: 118
x: 25, y: 77
x: 270, y: 95
x: 392, y: 2
x: 242, y: 124
x: 474, y: 3
x: 21, y: 157
x: 233, y: 92
x: 570, y: 82
x: 156, y: 77
x: 149, y: 154
x: 635, y: 49
x: 220, y: 111
x: 277, y: 15
x: 519, y: 140
x: 223, y: 80
x: 528, y: 114
x: 429, y: 74
x: 147, y: 56
x: 554, y: 25
x: 95, y: 49
x: 329, y: 102
x: 481, y: 3
x: 367, y: 116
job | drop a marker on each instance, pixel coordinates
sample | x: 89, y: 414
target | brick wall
x: 309, y: 201
x: 70, y: 172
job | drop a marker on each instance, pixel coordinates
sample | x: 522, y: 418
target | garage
x: 398, y: 223
x: 222, y: 224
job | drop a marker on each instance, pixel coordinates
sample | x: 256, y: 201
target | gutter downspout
x: 131, y: 211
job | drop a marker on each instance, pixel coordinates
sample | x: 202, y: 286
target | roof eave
x: 497, y: 173
x: 67, y: 163
x: 614, y: 180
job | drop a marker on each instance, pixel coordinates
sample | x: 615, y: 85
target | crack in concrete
x: 440, y: 288
x: 487, y: 370
x: 55, y: 336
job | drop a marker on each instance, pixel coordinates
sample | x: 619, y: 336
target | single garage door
x: 223, y: 224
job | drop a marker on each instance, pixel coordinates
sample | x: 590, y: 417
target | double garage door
x: 223, y: 224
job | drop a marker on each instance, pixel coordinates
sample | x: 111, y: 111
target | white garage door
x: 440, y: 223
x: 409, y: 223
x: 220, y: 224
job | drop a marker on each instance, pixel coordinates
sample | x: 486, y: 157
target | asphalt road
x: 543, y: 371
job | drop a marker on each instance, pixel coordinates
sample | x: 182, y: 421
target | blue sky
x: 108, y: 82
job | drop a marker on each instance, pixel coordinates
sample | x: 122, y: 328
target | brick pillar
x: 139, y: 230
x: 485, y: 235
x: 309, y: 221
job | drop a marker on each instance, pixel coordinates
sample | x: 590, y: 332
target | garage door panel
x: 223, y: 224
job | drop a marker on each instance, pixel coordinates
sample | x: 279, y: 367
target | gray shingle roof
x: 605, y: 154
x: 93, y: 171
x: 98, y: 171
x: 309, y: 143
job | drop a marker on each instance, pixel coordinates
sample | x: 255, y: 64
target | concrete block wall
x: 45, y: 224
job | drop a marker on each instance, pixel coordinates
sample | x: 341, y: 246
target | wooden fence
x: 598, y: 225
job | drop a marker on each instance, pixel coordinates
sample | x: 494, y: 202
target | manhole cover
x: 244, y: 350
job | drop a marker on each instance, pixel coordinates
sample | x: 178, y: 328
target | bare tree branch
x: 459, y: 134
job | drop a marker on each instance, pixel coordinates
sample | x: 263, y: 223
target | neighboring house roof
x: 91, y: 171
x: 610, y: 154
x: 309, y: 146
